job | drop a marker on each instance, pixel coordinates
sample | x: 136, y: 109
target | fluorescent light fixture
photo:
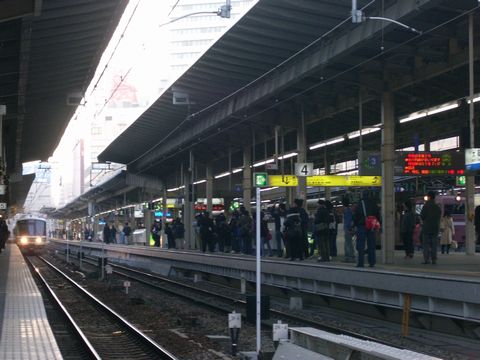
x: 335, y: 141
x: 177, y: 188
x: 365, y: 131
x: 475, y: 99
x: 199, y: 182
x: 222, y: 175
x: 442, y: 108
x: 431, y: 111
x: 268, y: 161
x: 269, y: 188
x: 317, y: 146
x: 234, y: 171
x: 328, y: 142
x: 287, y: 156
x: 413, y: 116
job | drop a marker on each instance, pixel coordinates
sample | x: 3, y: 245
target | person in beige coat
x: 447, y: 230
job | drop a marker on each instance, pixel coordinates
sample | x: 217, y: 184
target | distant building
x: 96, y: 128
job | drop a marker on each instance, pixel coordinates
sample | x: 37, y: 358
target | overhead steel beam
x: 142, y: 181
x: 13, y: 9
x: 284, y: 76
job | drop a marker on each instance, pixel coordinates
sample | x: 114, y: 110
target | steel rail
x: 87, y: 344
x: 147, y: 340
x: 295, y: 318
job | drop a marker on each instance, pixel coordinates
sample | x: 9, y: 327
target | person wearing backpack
x: 245, y: 230
x: 293, y: 231
x: 321, y: 231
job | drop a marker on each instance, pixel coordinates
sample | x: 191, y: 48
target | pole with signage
x: 258, y: 244
x: 259, y: 180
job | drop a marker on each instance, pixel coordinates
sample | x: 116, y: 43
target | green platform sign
x: 460, y: 181
x: 260, y: 179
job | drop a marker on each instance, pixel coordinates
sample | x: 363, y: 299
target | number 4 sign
x: 304, y: 169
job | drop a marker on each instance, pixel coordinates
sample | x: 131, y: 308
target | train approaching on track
x: 31, y: 233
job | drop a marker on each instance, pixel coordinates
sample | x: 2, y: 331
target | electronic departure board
x: 432, y: 163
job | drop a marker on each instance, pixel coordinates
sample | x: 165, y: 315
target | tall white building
x: 120, y: 99
x: 189, y: 37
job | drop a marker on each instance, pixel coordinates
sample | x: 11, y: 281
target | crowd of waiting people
x: 292, y: 229
x: 361, y: 225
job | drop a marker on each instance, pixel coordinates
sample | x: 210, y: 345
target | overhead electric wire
x: 426, y: 32
x: 122, y: 79
x: 173, y: 8
x: 115, y: 48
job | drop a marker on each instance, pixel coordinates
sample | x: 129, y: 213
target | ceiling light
x: 222, y: 175
x: 289, y: 155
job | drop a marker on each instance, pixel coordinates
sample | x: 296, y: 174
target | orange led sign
x: 433, y: 163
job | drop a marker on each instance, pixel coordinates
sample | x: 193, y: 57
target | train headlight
x: 23, y: 240
x: 38, y: 240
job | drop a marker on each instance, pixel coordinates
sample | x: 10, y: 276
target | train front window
x: 31, y: 227
x: 454, y: 209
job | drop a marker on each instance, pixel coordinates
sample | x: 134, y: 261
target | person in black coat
x: 107, y: 237
x: 170, y: 236
x: 206, y: 232
x: 321, y: 231
x: 293, y: 233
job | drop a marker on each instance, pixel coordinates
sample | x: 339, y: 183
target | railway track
x: 226, y: 303
x: 221, y: 302
x: 103, y: 333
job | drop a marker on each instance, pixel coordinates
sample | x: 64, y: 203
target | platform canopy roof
x: 288, y: 55
x: 49, y: 50
x: 271, y: 32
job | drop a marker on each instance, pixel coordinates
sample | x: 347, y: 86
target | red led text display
x: 433, y: 163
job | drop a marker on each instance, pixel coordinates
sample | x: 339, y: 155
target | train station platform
x: 448, y: 289
x: 25, y: 332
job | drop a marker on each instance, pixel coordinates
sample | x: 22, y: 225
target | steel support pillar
x: 95, y: 227
x: 247, y: 177
x: 209, y: 188
x: 148, y: 221
x: 188, y: 213
x: 470, y: 180
x: 388, y: 162
x: 328, y: 190
x: 164, y: 215
x: 301, y: 192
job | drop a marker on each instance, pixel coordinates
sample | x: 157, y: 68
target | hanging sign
x: 344, y: 180
x: 326, y: 180
x: 432, y: 163
x: 303, y: 169
x: 282, y: 180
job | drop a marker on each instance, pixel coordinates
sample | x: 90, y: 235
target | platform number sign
x: 3, y: 206
x: 304, y: 169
